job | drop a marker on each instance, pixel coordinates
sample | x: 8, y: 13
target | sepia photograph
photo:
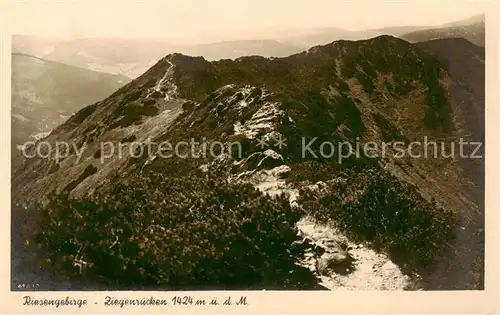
x: 247, y: 145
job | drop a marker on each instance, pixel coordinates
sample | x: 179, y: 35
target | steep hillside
x: 385, y: 229
x: 466, y: 63
x: 46, y: 93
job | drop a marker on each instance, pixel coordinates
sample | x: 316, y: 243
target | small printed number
x: 28, y: 286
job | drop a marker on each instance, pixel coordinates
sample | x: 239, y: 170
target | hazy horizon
x: 192, y: 21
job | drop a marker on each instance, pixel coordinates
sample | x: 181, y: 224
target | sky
x: 211, y: 20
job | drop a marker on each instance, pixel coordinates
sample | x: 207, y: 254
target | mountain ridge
x: 190, y: 73
x: 381, y: 89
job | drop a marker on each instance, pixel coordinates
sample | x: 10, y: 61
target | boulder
x: 331, y: 262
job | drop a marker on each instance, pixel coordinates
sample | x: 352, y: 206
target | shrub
x: 178, y: 232
x: 88, y: 171
x: 132, y: 113
x: 366, y: 81
x: 128, y: 139
x: 375, y: 206
x: 388, y: 131
x: 82, y: 114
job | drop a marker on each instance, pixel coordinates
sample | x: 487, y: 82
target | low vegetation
x: 177, y: 232
x: 376, y: 207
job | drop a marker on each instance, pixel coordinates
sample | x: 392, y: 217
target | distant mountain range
x: 472, y: 29
x: 46, y: 93
x: 133, y: 57
x: 326, y: 35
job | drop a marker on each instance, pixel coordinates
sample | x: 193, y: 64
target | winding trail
x: 168, y: 74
